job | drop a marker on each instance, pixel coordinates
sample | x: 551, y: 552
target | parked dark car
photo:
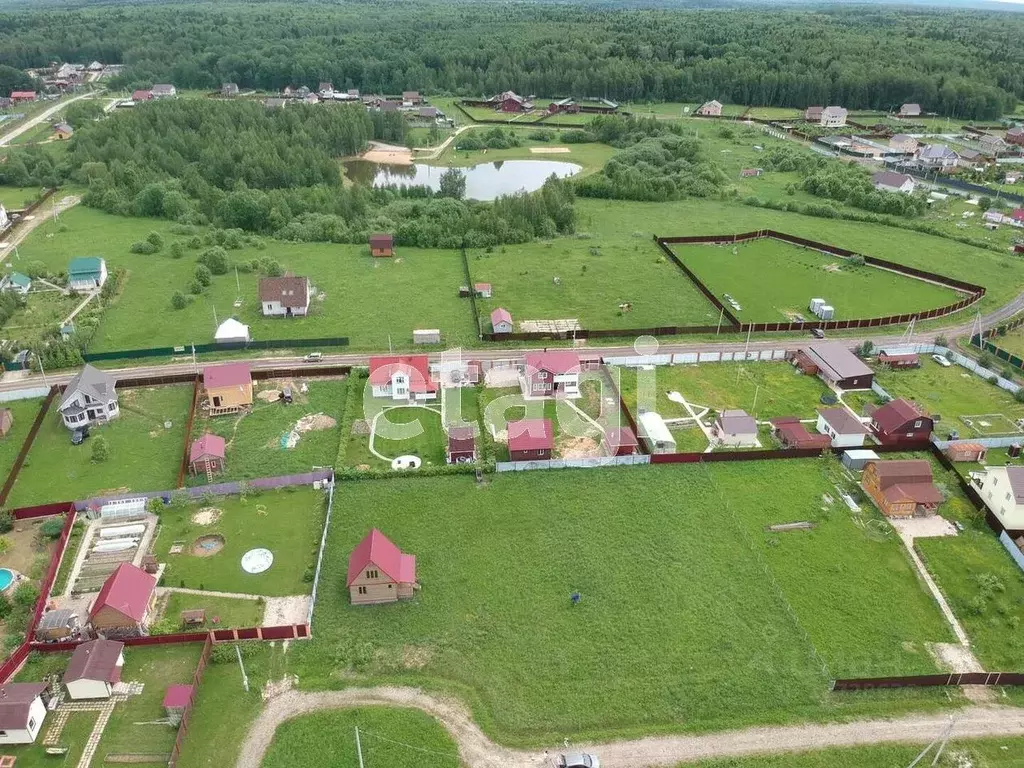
x: 79, y: 435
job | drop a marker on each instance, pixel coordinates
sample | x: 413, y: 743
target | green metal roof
x: 84, y: 266
x: 22, y: 281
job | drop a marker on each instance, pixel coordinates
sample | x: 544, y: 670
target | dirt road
x: 476, y: 750
x: 31, y: 123
x: 43, y: 214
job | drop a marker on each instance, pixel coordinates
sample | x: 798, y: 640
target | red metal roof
x: 794, y: 433
x: 501, y: 315
x: 23, y: 94
x: 555, y: 362
x: 127, y: 590
x: 207, y: 446
x: 177, y: 696
x: 843, y: 422
x: 461, y: 439
x: 417, y: 366
x: 230, y: 375
x: 381, y: 240
x: 378, y: 550
x: 95, y: 660
x: 617, y: 437
x: 530, y: 435
x: 142, y: 95
x: 893, y: 415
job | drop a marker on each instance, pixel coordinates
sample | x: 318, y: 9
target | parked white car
x: 941, y: 360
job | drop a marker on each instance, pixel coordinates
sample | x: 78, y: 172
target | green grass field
x: 131, y: 728
x: 13, y: 198
x: 773, y: 281
x: 288, y: 522
x: 710, y: 645
x: 430, y: 444
x: 593, y: 281
x: 765, y: 390
x: 591, y: 156
x: 398, y: 738
x: 418, y: 289
x: 144, y: 455
x: 253, y: 441
x: 985, y: 589
x: 24, y: 413
x: 221, y: 613
x: 953, y: 393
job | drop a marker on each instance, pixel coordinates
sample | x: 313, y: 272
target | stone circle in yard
x: 257, y: 560
x: 206, y: 546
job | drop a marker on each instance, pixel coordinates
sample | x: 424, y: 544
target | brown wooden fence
x: 917, y: 681
x: 197, y: 678
x: 185, y: 451
x: 26, y: 446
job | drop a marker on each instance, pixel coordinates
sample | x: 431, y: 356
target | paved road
x: 476, y: 750
x: 34, y: 121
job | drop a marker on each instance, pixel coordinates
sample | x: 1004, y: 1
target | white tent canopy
x: 232, y: 330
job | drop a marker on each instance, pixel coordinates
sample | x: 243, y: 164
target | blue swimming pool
x: 6, y: 578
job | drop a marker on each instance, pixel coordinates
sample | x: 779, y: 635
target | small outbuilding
x: 620, y: 441
x: 123, y: 605
x: 176, y: 701
x: 737, y: 428
x: 426, y: 336
x: 22, y: 711
x: 655, y: 433
x: 382, y: 244
x: 975, y: 452
x: 530, y: 440
x: 228, y: 387
x: 232, y: 331
x: 229, y: 90
x: 501, y: 321
x: 379, y: 572
x: 791, y: 433
x: 897, y: 362
x: 461, y: 445
x: 206, y: 455
x: 57, y: 625
x: 711, y: 108
x: 902, y: 487
x: 842, y: 427
x: 857, y: 459
x: 94, y: 669
x: 482, y: 290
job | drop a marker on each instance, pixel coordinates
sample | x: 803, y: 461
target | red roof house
x: 122, y: 606
x: 620, y: 441
x: 899, y: 361
x: 402, y: 377
x: 483, y: 290
x: 501, y: 321
x: 382, y: 244
x: 510, y: 101
x: 554, y: 373
x: 900, y: 421
x: 1018, y: 214
x: 206, y: 454
x: 902, y: 487
x: 461, y: 445
x: 228, y: 386
x: 530, y: 439
x: 20, y: 96
x: 793, y: 434
x: 142, y: 95
x: 379, y: 572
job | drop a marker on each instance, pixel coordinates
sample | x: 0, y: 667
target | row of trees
x: 960, y: 63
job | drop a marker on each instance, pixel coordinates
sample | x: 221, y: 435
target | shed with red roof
x: 206, y: 454
x: 94, y: 668
x: 530, y: 439
x: 18, y: 97
x: 461, y: 445
x: 176, y: 700
x: 501, y: 321
x: 896, y: 362
x: 382, y: 244
x: 379, y: 572
x: 123, y: 604
x: 228, y: 387
x: 902, y: 487
x: 142, y: 94
x: 792, y: 433
x: 620, y: 441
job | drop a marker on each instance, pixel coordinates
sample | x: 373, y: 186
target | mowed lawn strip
x: 397, y: 738
x: 985, y: 589
x: 764, y: 389
x: 770, y: 278
x: 74, y: 736
x: 24, y: 413
x: 953, y: 393
x: 221, y: 612
x: 144, y: 455
x: 401, y: 431
x: 14, y: 198
x: 365, y: 299
x: 710, y: 643
x: 253, y: 440
x: 593, y: 281
x: 288, y: 522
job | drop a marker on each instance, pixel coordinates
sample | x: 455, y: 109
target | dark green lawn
x: 24, y: 413
x: 666, y: 571
x: 221, y: 613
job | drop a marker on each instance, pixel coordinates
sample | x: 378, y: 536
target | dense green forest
x: 959, y: 63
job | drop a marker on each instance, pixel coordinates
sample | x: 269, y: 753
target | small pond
x: 483, y: 182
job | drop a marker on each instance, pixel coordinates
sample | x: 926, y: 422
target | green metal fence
x: 188, y: 349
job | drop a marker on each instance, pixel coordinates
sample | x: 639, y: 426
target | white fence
x: 23, y: 394
x: 1011, y: 547
x: 596, y: 461
x: 959, y: 359
x: 988, y: 442
x: 692, y: 358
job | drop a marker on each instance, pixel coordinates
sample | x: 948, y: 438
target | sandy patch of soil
x: 360, y: 427
x: 954, y: 657
x: 207, y: 546
x: 831, y: 267
x: 207, y: 516
x: 388, y: 154
x: 315, y: 422
x: 281, y: 611
x: 550, y: 150
x: 579, y: 448
x: 362, y: 467
x: 268, y: 395
x: 24, y: 546
x: 416, y: 656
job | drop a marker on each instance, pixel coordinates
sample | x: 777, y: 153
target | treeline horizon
x: 962, y: 64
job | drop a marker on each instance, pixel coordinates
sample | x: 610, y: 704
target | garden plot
x: 203, y: 543
x: 631, y: 285
x: 144, y: 454
x: 276, y: 438
x: 743, y: 625
x: 962, y: 400
x: 576, y: 435
x: 218, y: 612
x: 43, y: 313
x: 774, y: 281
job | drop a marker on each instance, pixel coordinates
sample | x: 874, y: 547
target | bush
x: 156, y: 240
x: 177, y: 249
x: 26, y: 595
x: 100, y: 449
x: 179, y: 300
x: 203, y: 275
x: 194, y: 243
x: 52, y: 526
x: 225, y: 653
x: 6, y: 521
x: 195, y: 287
x: 215, y: 259
x: 142, y: 246
x: 5, y: 607
x: 5, y: 545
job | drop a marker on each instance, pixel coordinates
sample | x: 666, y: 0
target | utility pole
x: 753, y: 409
x: 45, y: 383
x: 359, y: 747
x: 241, y: 666
x: 746, y: 346
x: 721, y: 316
